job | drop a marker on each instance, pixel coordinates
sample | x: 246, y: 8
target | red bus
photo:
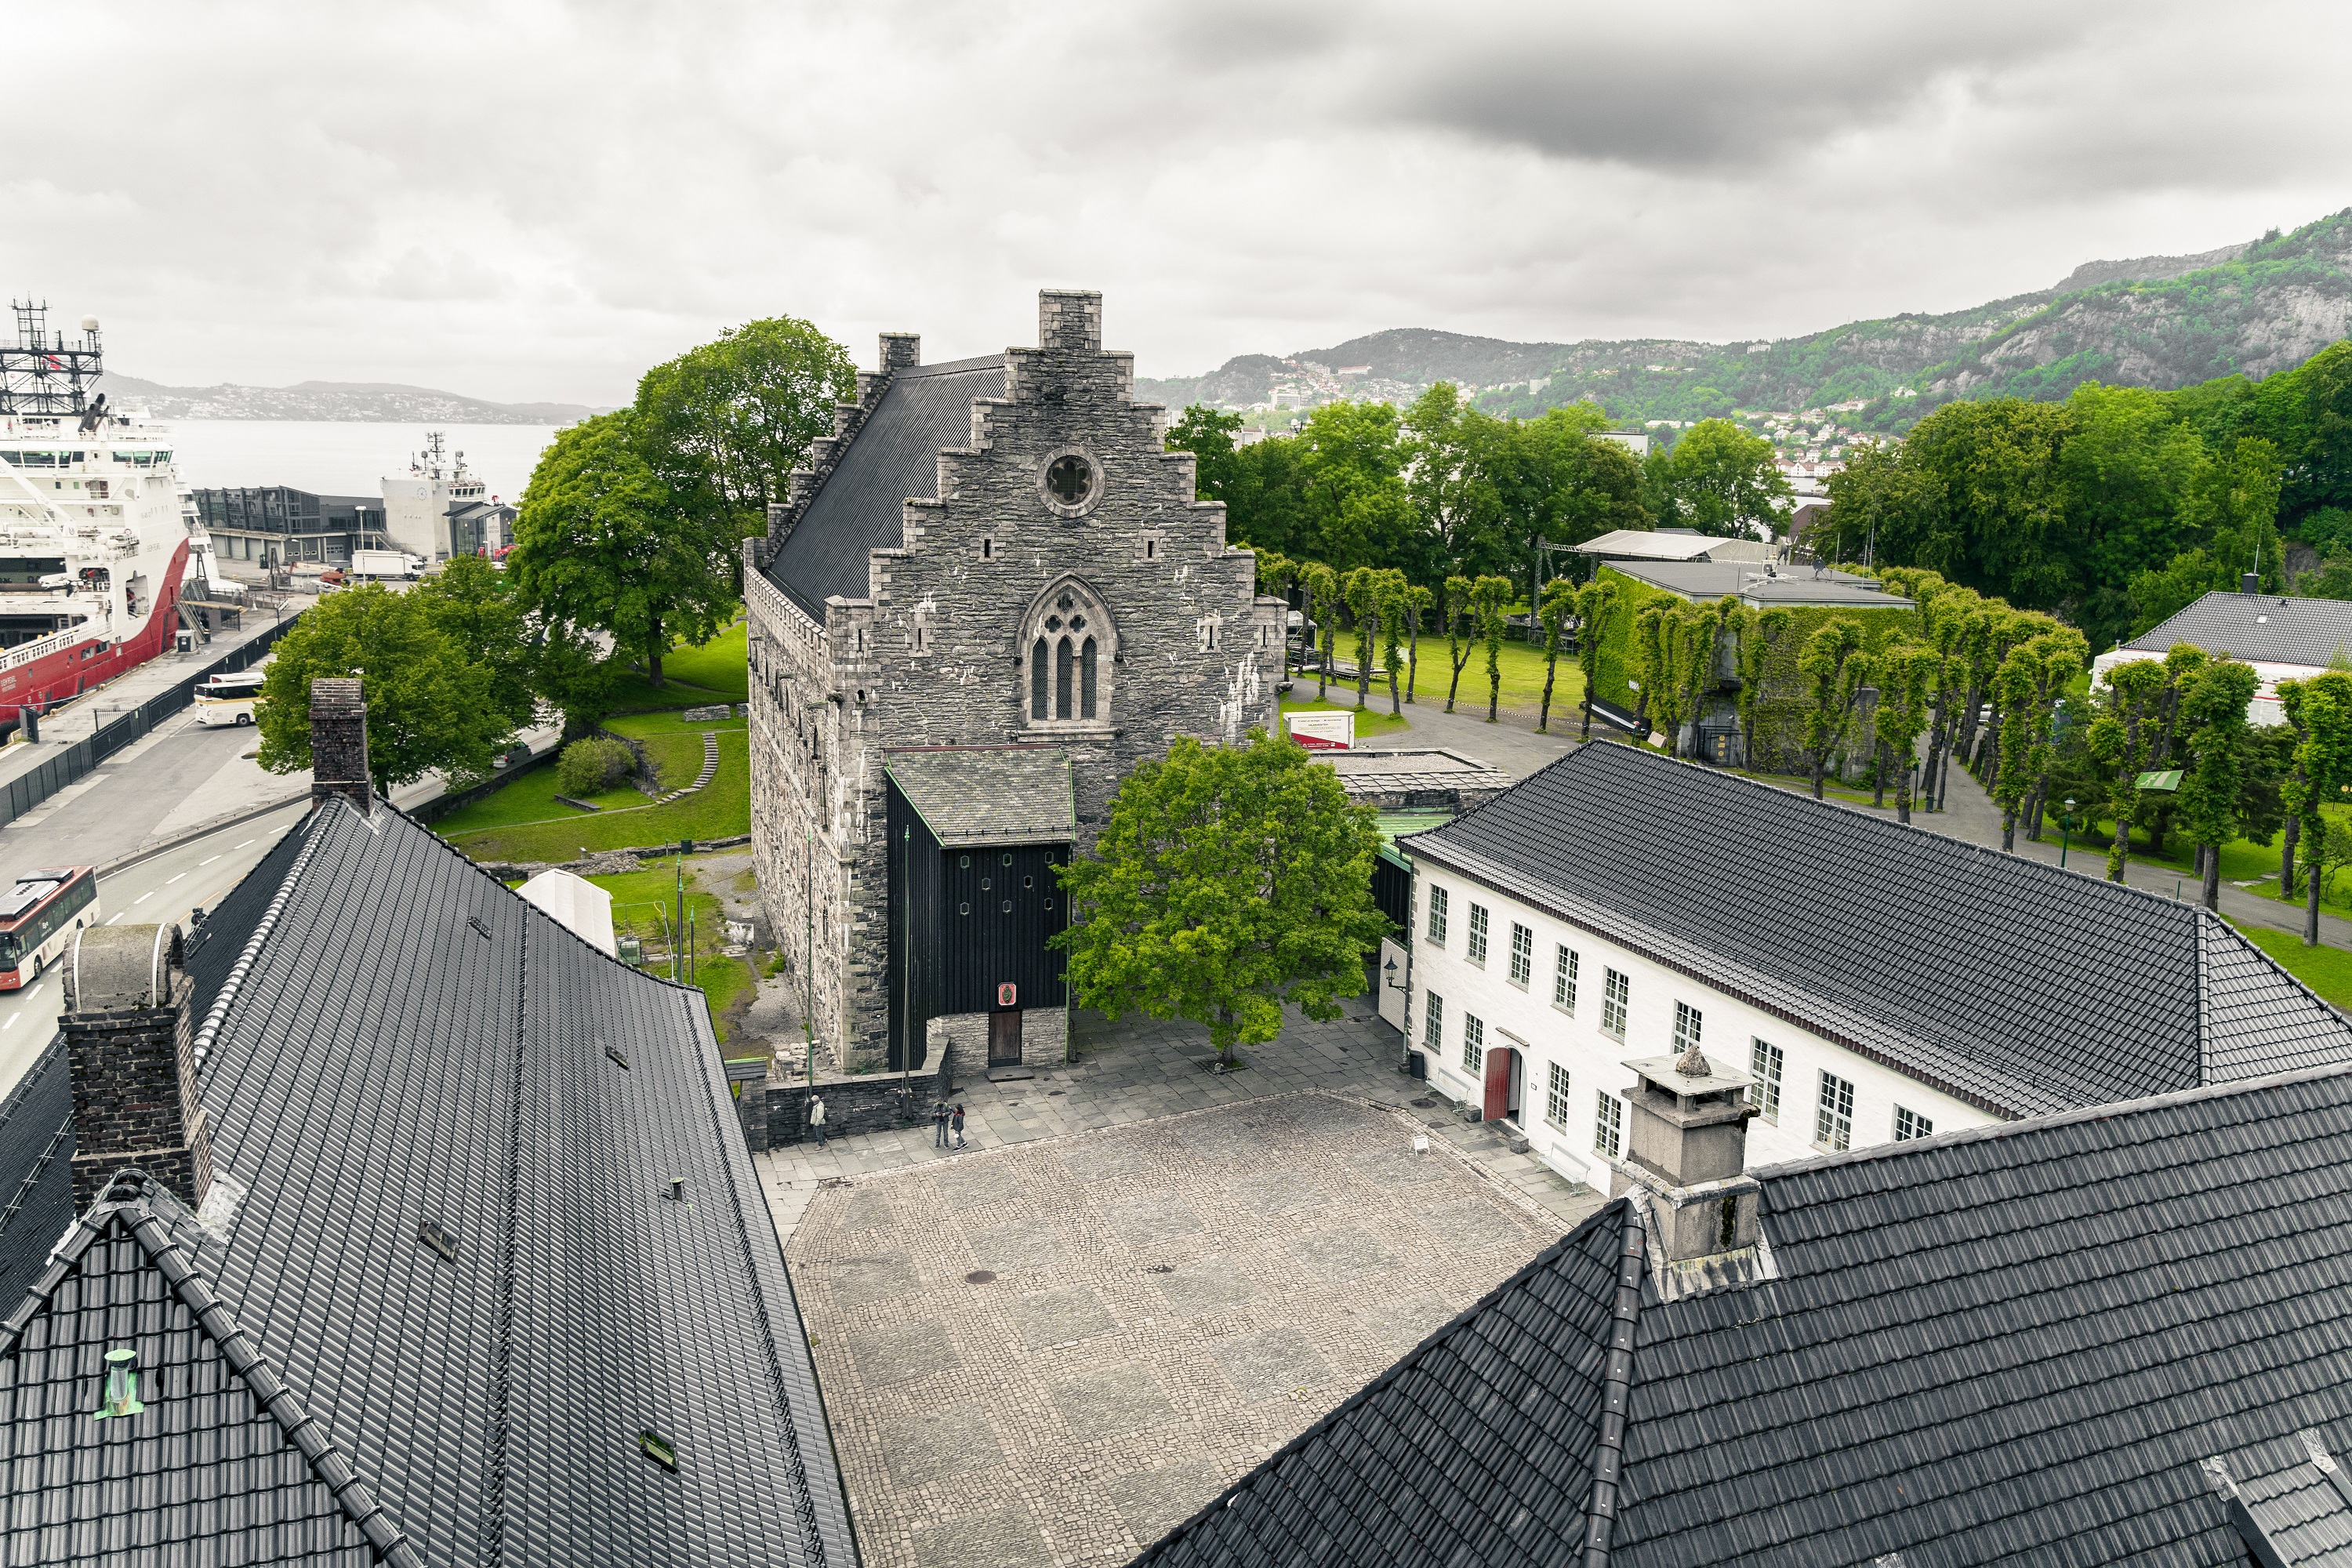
x: 39, y: 918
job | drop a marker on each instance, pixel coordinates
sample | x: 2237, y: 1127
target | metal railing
x: 22, y: 794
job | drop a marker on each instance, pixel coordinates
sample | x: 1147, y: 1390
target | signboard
x: 1008, y: 996
x: 1323, y: 731
x: 2165, y: 782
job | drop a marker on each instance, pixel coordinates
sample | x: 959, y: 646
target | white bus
x: 39, y: 918
x: 228, y: 699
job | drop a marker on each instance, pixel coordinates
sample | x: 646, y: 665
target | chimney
x: 1070, y: 320
x: 901, y: 351
x: 130, y: 1033
x: 2249, y: 584
x: 339, y: 749
x: 1687, y: 1147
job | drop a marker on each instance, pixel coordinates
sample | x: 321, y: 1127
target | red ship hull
x: 68, y: 672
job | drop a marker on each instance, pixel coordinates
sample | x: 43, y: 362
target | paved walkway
x: 1136, y: 1071
x: 1518, y: 752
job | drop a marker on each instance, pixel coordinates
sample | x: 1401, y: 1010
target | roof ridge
x: 217, y: 1013
x: 1412, y: 1359
x: 2052, y: 1119
x: 1616, y: 1385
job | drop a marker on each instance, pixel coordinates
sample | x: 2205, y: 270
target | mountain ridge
x: 381, y: 402
x: 2158, y: 321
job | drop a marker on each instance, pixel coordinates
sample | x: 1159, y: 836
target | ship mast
x: 41, y: 377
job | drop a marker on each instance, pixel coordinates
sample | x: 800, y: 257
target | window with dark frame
x: 1910, y: 1125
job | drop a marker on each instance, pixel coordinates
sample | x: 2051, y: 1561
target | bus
x: 228, y: 699
x: 39, y: 918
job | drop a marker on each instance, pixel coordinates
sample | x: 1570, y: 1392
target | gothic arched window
x: 1062, y: 678
x: 1038, y: 682
x: 1072, y: 655
x: 1086, y: 678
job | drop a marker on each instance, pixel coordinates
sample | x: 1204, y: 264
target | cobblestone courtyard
x: 1053, y: 1351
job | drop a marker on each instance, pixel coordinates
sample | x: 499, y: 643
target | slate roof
x: 2014, y: 986
x: 36, y: 1145
x: 989, y: 795
x: 1420, y: 776
x: 2015, y: 1344
x: 893, y: 457
x: 1791, y: 585
x: 2292, y: 1496
x: 391, y: 1037
x: 2259, y: 628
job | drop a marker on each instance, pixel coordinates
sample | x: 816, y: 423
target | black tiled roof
x: 37, y: 1147
x: 2294, y: 1495
x: 893, y: 457
x: 391, y: 1037
x: 2260, y: 628
x: 2014, y: 1344
x: 2011, y: 983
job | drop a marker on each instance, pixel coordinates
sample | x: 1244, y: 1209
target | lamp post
x: 2065, y: 832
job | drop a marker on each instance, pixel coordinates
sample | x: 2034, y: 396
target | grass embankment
x: 2256, y: 866
x: 1522, y: 664
x: 2326, y: 970
x: 718, y: 671
x: 645, y: 905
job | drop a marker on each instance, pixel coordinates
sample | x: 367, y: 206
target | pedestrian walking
x: 816, y: 1117
x: 938, y: 1124
x: 956, y: 1121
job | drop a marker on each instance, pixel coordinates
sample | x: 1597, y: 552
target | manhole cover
x: 1423, y: 1104
x: 981, y: 1276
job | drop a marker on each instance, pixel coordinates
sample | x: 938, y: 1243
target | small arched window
x: 1062, y: 678
x: 1086, y: 678
x: 1038, y: 677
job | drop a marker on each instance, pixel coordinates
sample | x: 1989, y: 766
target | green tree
x: 1762, y: 633
x: 2118, y: 740
x: 1275, y: 574
x: 2214, y: 711
x: 601, y: 544
x: 1363, y: 595
x: 738, y: 414
x: 1835, y: 669
x: 1393, y: 604
x: 2320, y: 712
x: 1324, y: 595
x: 428, y: 706
x: 1907, y: 673
x: 474, y: 604
x: 1722, y: 480
x: 1883, y: 508
x: 1700, y: 632
x: 1419, y: 599
x: 1489, y: 598
x: 1230, y: 882
x: 1208, y: 434
x: 1556, y: 611
x: 1455, y: 611
x: 1594, y: 602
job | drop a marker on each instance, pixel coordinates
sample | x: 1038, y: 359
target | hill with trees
x: 2157, y: 321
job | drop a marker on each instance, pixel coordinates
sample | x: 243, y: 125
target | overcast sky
x: 523, y: 201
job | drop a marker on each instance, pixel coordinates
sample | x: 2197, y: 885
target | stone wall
x: 940, y: 652
x: 129, y: 1066
x: 775, y: 1112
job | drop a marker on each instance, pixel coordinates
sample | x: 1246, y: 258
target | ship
x: 100, y: 542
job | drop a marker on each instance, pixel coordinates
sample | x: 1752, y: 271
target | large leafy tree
x: 1554, y: 613
x: 2320, y: 710
x: 2119, y: 739
x: 1907, y: 676
x: 1594, y: 602
x: 429, y: 706
x: 603, y: 544
x: 1835, y: 669
x: 2213, y: 710
x: 1231, y: 881
x: 1490, y: 598
x: 1208, y: 434
x: 1762, y: 633
x: 1722, y: 480
x: 729, y: 420
x: 475, y: 605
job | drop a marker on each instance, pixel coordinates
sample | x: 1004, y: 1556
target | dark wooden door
x: 1498, y: 1083
x: 1004, y: 1039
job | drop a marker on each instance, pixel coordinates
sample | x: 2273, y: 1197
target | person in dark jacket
x: 956, y: 1121
x: 938, y: 1124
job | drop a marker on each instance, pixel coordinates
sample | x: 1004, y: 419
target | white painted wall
x: 1548, y: 1035
x: 2262, y: 711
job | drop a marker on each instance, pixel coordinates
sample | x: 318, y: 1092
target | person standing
x: 956, y: 1121
x: 938, y: 1124
x: 816, y: 1117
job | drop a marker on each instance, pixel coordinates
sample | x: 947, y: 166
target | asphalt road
x: 108, y: 812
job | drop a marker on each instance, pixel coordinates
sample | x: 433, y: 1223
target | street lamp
x: 2066, y: 832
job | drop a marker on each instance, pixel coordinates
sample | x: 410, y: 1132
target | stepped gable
x: 2010, y: 983
x: 2021, y: 1344
x: 887, y: 454
x: 391, y: 1041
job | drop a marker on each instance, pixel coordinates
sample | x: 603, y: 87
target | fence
x: 21, y: 795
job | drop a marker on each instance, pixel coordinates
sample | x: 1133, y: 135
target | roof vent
x: 121, y: 1386
x: 431, y: 1232
x: 658, y: 1449
x: 677, y: 1189
x: 479, y: 929
x: 614, y: 1052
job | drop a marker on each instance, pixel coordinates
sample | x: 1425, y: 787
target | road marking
x: 203, y: 863
x: 116, y: 916
x: 248, y: 841
x: 11, y: 1023
x: 173, y: 879
x: 143, y: 897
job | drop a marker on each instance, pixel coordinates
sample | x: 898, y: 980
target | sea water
x: 347, y: 458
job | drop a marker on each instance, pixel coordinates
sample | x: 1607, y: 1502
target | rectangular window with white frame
x: 1437, y: 916
x: 1766, y: 1062
x: 1476, y: 953
x: 1614, y: 993
x: 1563, y: 980
x: 1474, y: 1042
x: 1432, y: 1023
x: 1833, y: 1122
x: 1523, y: 953
x: 1556, y: 1098
x: 1608, y: 1124
x: 1687, y: 1028
x: 1910, y: 1125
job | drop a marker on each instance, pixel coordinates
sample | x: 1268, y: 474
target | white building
x: 2284, y: 638
x: 1881, y: 981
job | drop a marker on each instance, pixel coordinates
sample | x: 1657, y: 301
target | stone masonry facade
x: 940, y: 650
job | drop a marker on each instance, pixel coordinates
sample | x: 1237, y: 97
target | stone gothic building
x: 989, y: 595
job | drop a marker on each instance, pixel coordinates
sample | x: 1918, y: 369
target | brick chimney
x: 130, y: 1032
x: 338, y: 752
x: 1070, y: 320
x: 901, y: 351
x: 1687, y: 1147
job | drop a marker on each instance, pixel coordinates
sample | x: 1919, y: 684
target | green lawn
x: 2326, y: 970
x: 694, y: 677
x: 645, y: 905
x: 721, y: 811
x: 1523, y: 679
x: 530, y: 798
x: 2242, y: 860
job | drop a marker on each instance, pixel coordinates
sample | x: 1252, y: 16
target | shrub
x: 593, y: 765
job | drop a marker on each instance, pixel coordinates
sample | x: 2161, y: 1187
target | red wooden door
x: 1498, y: 1083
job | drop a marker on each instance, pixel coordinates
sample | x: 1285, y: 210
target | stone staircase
x: 710, y: 770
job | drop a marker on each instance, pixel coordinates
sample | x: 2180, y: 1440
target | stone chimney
x: 130, y: 1033
x: 1687, y: 1147
x: 339, y: 749
x: 2248, y: 582
x: 1070, y: 320
x: 901, y: 351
